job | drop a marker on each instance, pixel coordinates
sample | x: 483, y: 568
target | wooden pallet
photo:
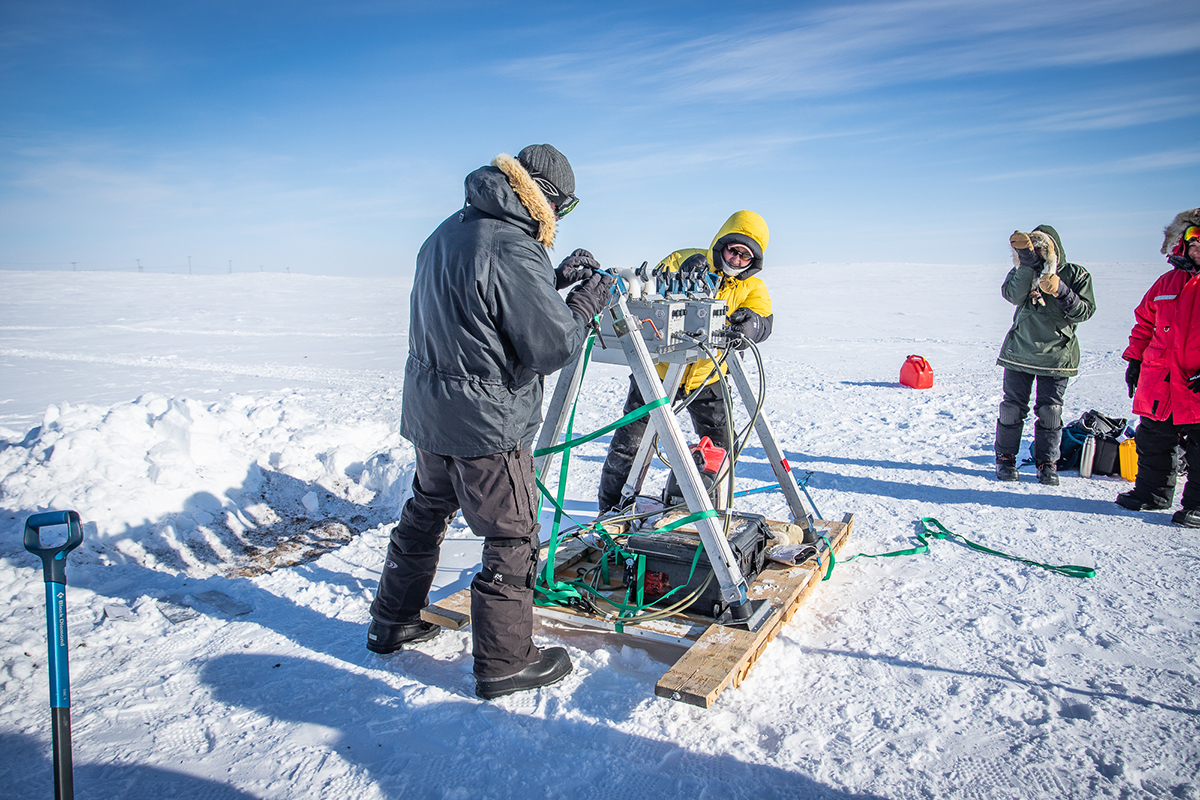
x: 717, y: 656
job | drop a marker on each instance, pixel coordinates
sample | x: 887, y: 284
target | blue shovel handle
x: 54, y: 559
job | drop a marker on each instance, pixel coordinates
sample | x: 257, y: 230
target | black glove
x: 576, y: 267
x: 751, y: 325
x: 695, y: 263
x: 590, y: 297
x: 1132, y: 373
x: 1194, y: 383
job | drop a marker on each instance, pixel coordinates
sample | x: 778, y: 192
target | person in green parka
x: 1052, y: 297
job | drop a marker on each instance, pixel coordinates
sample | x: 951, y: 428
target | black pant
x: 1047, y: 408
x: 1157, y: 467
x: 498, y: 498
x: 708, y: 419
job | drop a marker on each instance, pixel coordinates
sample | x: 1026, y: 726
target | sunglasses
x: 567, y: 206
x: 1192, y: 234
x: 739, y: 253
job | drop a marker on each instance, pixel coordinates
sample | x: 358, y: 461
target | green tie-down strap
x: 939, y: 531
x: 548, y: 590
x: 637, y: 413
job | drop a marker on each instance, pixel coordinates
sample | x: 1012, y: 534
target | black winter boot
x: 552, y: 667
x: 1006, y: 468
x: 1048, y: 473
x: 390, y: 638
x: 1187, y: 518
x: 1136, y: 502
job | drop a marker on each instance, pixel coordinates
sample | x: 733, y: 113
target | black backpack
x: 1106, y: 460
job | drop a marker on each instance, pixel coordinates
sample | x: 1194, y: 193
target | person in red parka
x: 1164, y: 377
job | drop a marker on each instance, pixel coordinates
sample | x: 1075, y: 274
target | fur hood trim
x: 530, y: 195
x: 1044, y: 245
x: 1173, y: 232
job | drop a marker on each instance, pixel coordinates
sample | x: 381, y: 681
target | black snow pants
x: 1047, y: 408
x: 1157, y: 467
x: 498, y: 499
x: 708, y: 419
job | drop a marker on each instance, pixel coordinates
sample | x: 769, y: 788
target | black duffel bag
x: 1106, y: 460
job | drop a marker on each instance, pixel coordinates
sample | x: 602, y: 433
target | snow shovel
x: 54, y: 562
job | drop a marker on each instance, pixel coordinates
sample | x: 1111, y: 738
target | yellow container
x: 1128, y: 451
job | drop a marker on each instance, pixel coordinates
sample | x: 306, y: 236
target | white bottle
x: 1086, y: 456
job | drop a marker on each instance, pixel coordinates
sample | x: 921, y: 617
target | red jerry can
x: 916, y: 373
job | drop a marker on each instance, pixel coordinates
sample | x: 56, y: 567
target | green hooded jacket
x: 1042, y: 338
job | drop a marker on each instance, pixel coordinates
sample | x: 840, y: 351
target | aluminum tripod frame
x: 729, y: 576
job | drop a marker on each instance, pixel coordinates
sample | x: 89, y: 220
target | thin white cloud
x: 989, y: 113
x: 104, y: 190
x: 867, y: 46
x: 672, y: 157
x: 1146, y: 162
x: 1124, y: 114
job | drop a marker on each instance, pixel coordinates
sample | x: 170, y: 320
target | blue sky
x: 333, y: 137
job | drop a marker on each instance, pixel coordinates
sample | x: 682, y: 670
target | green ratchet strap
x: 625, y: 420
x: 939, y: 531
x: 550, y: 591
x: 558, y: 593
x: 679, y: 523
x: 832, y: 558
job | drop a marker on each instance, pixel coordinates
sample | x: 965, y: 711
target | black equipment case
x: 669, y: 560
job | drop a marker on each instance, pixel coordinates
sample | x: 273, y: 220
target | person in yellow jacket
x: 734, y: 258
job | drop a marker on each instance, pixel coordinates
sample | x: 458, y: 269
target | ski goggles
x: 567, y: 206
x: 1192, y: 234
x: 739, y: 252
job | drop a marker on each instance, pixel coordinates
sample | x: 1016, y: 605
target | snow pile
x: 180, y: 485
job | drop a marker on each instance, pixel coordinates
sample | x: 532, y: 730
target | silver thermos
x: 1087, y: 456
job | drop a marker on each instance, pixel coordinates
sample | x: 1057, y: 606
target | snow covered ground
x: 237, y: 434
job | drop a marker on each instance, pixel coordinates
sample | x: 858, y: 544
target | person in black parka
x: 486, y: 325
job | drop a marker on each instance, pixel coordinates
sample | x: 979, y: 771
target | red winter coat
x: 1166, y: 339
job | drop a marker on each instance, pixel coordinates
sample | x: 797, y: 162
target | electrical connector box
x: 706, y: 319
x: 663, y: 323
x: 669, y: 561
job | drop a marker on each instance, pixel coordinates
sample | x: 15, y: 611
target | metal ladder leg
x: 641, y: 462
x: 566, y: 389
x: 724, y: 564
x: 800, y: 513
x: 557, y: 414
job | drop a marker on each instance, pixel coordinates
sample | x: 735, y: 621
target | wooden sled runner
x: 717, y: 656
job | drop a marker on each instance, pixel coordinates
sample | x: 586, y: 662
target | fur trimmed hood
x: 1173, y: 233
x: 1044, y: 245
x: 530, y: 195
x: 1048, y: 246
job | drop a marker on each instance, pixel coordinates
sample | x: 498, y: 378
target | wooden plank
x: 453, y: 612
x: 676, y: 630
x: 723, y: 656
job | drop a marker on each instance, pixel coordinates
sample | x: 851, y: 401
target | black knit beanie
x: 550, y: 169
